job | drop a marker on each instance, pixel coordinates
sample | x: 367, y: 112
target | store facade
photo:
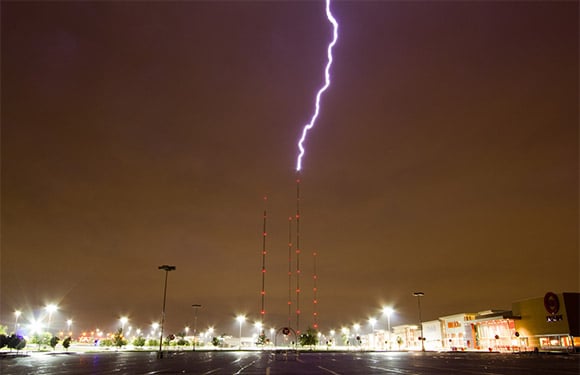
x: 549, y: 323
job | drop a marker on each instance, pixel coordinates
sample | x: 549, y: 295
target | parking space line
x: 328, y: 370
x: 245, y: 367
x: 393, y: 370
x: 211, y: 371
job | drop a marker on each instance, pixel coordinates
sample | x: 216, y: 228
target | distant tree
x: 41, y: 339
x: 153, y: 342
x: 3, y: 340
x: 106, y: 342
x: 3, y: 330
x: 119, y: 339
x: 399, y: 341
x: 16, y: 342
x: 21, y: 345
x: 53, y: 341
x: 182, y: 342
x: 139, y: 342
x: 66, y: 342
x: 215, y: 341
x: 308, y: 338
x: 261, y: 339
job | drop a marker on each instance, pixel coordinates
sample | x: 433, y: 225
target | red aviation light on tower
x: 289, y: 269
x: 315, y: 292
x: 264, y: 252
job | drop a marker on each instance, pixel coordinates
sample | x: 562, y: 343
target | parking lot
x: 266, y: 362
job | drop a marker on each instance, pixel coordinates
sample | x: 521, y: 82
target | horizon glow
x: 310, y: 125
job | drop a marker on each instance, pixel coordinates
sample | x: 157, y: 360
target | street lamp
x: 68, y: 325
x: 50, y: 308
x: 346, y: 335
x: 123, y: 321
x: 372, y: 322
x: 196, y: 307
x: 419, y: 295
x: 165, y: 268
x: 260, y: 339
x: 240, y: 319
x: 388, y: 311
x: 17, y: 314
x: 356, y: 327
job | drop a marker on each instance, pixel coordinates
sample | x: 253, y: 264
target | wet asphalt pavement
x: 265, y: 362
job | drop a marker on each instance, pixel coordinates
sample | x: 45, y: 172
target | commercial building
x: 548, y: 323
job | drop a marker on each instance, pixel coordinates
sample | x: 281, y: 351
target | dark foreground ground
x: 248, y: 362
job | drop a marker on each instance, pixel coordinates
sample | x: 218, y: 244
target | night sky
x: 136, y: 134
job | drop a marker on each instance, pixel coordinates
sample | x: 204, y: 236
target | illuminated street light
x: 123, y: 321
x: 17, y: 314
x: 260, y: 339
x: 419, y: 295
x: 372, y: 322
x: 356, y: 328
x: 388, y: 311
x: 346, y: 333
x: 68, y: 325
x: 50, y: 308
x: 240, y: 319
x: 165, y: 268
x: 35, y: 326
x: 196, y: 306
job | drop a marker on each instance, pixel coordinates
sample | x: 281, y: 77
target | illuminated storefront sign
x: 552, y: 306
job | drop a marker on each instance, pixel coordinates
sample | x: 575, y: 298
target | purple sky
x: 136, y: 134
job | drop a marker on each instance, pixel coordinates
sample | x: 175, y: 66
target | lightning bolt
x: 310, y: 125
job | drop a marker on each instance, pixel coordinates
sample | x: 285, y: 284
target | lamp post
x: 346, y: 335
x: 68, y: 326
x: 356, y: 327
x: 165, y: 268
x: 123, y: 321
x: 196, y: 307
x: 154, y: 327
x: 372, y: 322
x: 419, y: 295
x: 388, y: 311
x: 50, y: 308
x: 240, y: 319
x: 17, y: 314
